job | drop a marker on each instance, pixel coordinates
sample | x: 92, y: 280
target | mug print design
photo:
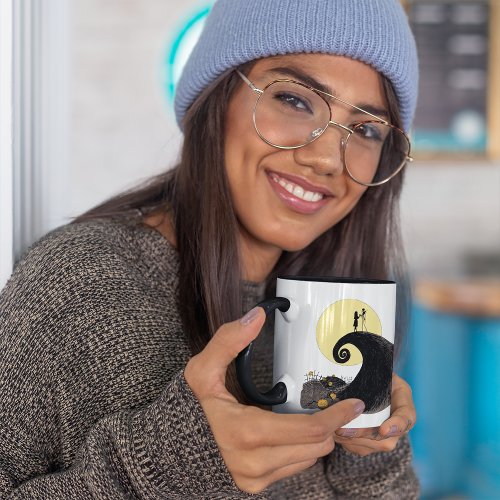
x: 349, y: 333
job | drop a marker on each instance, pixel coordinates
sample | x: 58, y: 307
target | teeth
x: 298, y: 191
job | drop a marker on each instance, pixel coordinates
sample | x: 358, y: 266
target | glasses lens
x: 375, y: 152
x: 290, y: 115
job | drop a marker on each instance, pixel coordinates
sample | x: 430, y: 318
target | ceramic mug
x: 333, y: 340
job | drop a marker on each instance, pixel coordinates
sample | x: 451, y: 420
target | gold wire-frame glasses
x: 375, y: 138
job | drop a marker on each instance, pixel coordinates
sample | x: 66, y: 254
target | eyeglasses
x: 289, y: 115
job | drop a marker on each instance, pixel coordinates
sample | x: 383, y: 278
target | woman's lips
x: 300, y: 195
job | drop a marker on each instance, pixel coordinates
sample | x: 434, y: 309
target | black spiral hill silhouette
x: 372, y: 384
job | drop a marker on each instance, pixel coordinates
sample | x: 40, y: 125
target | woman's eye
x: 293, y: 101
x: 369, y: 131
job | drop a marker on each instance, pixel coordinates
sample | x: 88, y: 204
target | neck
x: 258, y: 260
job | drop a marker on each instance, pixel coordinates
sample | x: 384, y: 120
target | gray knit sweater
x: 93, y: 402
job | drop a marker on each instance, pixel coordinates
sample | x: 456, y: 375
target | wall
x: 451, y: 218
x: 122, y: 125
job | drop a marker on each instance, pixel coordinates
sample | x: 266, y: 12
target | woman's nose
x: 325, y: 154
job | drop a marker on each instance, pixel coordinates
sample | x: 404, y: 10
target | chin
x: 295, y: 244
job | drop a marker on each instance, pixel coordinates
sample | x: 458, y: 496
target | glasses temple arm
x: 249, y: 83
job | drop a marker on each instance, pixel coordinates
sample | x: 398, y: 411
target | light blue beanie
x: 238, y: 31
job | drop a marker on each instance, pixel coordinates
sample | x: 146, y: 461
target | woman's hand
x: 259, y: 447
x: 384, y: 438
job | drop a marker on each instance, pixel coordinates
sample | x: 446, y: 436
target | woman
x: 118, y: 331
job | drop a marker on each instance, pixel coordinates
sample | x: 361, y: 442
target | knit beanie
x: 375, y: 32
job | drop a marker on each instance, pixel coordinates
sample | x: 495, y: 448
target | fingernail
x: 359, y: 407
x: 392, y: 431
x: 249, y: 316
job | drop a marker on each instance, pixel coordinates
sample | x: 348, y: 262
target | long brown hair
x: 366, y: 243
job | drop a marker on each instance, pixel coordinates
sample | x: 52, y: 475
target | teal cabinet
x: 482, y: 478
x: 452, y: 362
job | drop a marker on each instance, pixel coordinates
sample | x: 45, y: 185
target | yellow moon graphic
x: 338, y: 319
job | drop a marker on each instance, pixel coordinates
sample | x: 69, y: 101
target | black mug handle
x: 278, y: 394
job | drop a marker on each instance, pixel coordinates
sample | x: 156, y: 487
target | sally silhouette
x: 356, y: 318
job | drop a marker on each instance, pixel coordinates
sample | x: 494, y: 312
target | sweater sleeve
x: 164, y: 450
x: 93, y: 402
x: 385, y: 475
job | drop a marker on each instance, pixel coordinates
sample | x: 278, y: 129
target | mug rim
x: 335, y: 279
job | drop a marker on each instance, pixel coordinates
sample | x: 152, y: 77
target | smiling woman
x: 271, y: 182
x: 255, y: 169
x: 119, y: 331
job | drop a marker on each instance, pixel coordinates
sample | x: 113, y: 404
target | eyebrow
x: 299, y: 75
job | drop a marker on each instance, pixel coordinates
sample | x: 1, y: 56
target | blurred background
x: 86, y: 92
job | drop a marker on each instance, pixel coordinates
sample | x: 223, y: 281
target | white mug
x: 333, y: 340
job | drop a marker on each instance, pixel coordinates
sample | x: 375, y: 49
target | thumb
x: 340, y: 413
x: 229, y: 340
